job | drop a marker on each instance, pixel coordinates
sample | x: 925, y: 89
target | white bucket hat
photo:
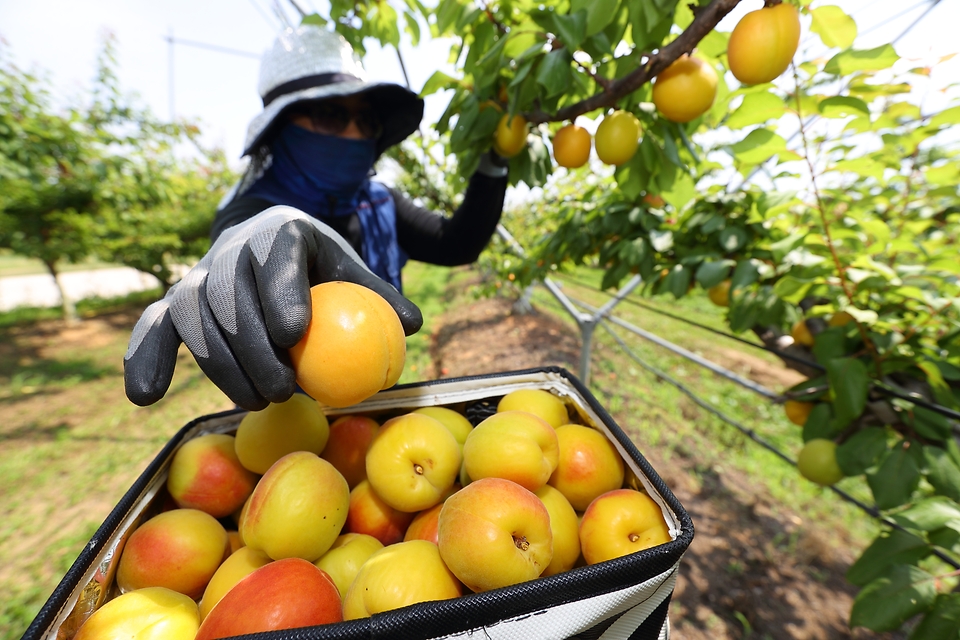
x: 310, y: 63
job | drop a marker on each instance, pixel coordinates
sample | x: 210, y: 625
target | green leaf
x: 835, y: 28
x: 676, y: 187
x: 862, y: 450
x: 840, y: 106
x: 571, y: 28
x: 949, y: 116
x: 850, y: 383
x: 820, y: 423
x: 555, y: 72
x: 900, y: 593
x: 439, y: 80
x: 792, y: 289
x: 600, y: 13
x: 930, y: 514
x: 942, y: 472
x: 713, y: 273
x: 677, y: 281
x: 850, y: 61
x: 732, y: 239
x: 929, y: 424
x: 759, y: 146
x: 745, y: 274
x: 314, y: 18
x: 942, y: 622
x: 894, y: 481
x: 830, y: 344
x: 892, y: 547
x: 756, y: 108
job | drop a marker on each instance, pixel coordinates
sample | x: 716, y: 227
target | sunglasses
x: 333, y: 118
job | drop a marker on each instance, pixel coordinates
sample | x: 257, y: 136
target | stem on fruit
x: 418, y: 469
x: 633, y: 537
x: 521, y: 543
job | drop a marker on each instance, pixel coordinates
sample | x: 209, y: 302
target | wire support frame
x: 872, y: 511
x: 878, y: 386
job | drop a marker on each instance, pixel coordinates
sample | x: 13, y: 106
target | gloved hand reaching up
x: 244, y: 304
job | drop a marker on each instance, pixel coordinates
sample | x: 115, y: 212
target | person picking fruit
x: 306, y: 211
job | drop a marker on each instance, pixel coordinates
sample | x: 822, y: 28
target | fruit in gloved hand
x: 265, y: 436
x: 297, y: 509
x: 515, y: 445
x: 685, y: 90
x: 397, y: 576
x: 152, y: 613
x: 494, y: 533
x: 621, y: 522
x: 617, y: 137
x: 538, y: 402
x: 206, y: 474
x: 588, y: 465
x: 354, y: 345
x: 763, y: 43
x: 286, y: 594
x: 179, y: 549
x: 413, y: 462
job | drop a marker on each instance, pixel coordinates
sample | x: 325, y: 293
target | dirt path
x: 752, y: 571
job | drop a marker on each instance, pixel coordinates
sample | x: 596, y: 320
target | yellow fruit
x: 265, y: 436
x: 354, y: 345
x: 817, y: 462
x: 801, y: 334
x: 571, y: 146
x: 511, y: 135
x: 763, y: 43
x: 797, y: 411
x: 840, y: 319
x: 617, y: 137
x: 720, y: 294
x: 685, y: 90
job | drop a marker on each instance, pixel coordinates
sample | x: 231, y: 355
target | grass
x: 71, y: 444
x: 12, y: 264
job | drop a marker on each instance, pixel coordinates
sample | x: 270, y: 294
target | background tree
x: 104, y: 179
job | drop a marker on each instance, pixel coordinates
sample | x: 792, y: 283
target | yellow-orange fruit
x: 801, y: 334
x: 685, y: 90
x: 353, y: 347
x: 720, y: 294
x: 571, y: 146
x: 797, y: 411
x: 265, y: 436
x: 511, y: 135
x: 763, y: 43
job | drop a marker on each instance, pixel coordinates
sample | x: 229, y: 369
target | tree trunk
x: 66, y: 304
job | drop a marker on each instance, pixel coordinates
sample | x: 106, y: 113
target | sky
x: 218, y: 89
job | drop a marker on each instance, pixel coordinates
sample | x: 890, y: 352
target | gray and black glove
x: 244, y: 304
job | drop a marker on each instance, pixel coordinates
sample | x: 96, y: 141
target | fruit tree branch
x: 704, y: 22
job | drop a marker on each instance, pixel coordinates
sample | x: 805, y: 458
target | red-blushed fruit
x: 152, y: 613
x: 588, y: 465
x: 397, y: 576
x: 515, y: 445
x: 206, y: 474
x: 344, y: 559
x: 179, y: 550
x: 494, y: 533
x: 350, y: 438
x: 413, y: 462
x: 540, y: 403
x: 286, y: 594
x: 239, y: 565
x: 265, y: 436
x: 297, y: 509
x: 621, y: 522
x: 424, y: 525
x: 369, y: 514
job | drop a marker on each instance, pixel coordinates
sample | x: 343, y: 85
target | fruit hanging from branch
x: 763, y: 43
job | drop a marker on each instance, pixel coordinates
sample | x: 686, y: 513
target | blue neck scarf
x: 327, y: 176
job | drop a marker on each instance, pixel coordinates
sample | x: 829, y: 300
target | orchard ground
x: 770, y: 549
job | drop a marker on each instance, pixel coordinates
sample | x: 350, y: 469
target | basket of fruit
x: 498, y: 506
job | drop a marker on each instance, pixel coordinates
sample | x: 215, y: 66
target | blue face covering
x: 327, y: 176
x: 316, y: 173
